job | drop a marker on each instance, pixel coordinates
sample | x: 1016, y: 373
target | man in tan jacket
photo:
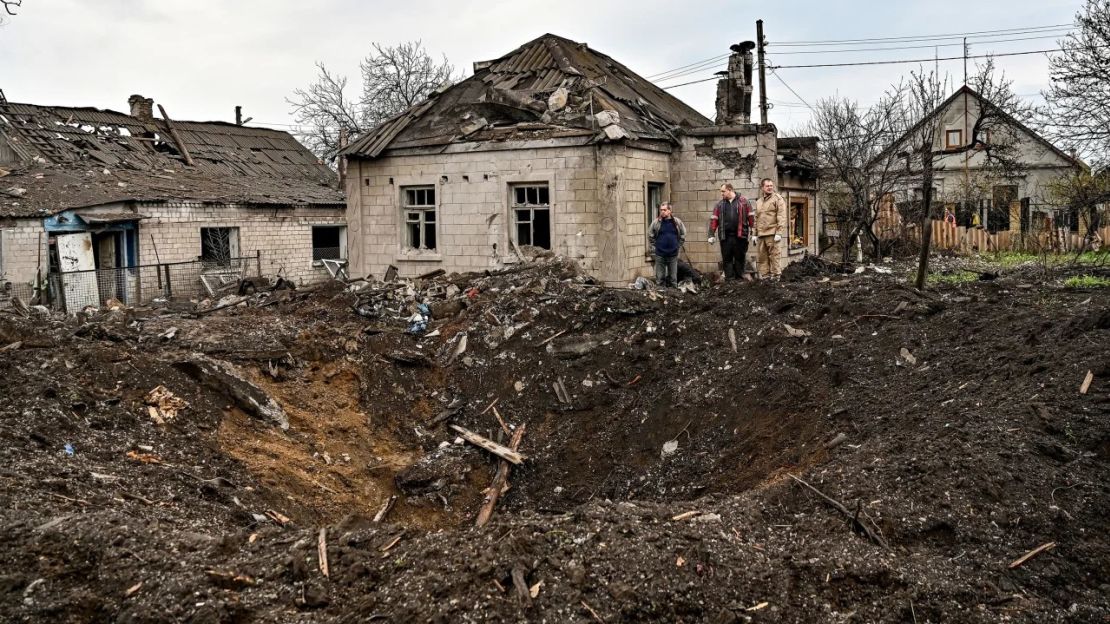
x: 770, y: 226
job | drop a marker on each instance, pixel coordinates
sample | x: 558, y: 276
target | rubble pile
x: 834, y: 448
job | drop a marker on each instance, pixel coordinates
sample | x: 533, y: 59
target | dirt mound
x: 662, y: 434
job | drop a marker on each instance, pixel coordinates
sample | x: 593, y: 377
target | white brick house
x: 83, y: 188
x: 553, y: 146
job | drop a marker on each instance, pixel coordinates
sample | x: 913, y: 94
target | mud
x: 657, y: 488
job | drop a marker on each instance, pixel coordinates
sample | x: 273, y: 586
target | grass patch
x: 1087, y: 281
x: 1010, y: 259
x: 954, y: 279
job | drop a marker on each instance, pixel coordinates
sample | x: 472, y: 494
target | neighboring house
x: 554, y: 146
x: 975, y: 193
x: 86, y: 189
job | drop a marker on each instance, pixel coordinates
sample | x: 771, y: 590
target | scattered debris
x: 1032, y: 553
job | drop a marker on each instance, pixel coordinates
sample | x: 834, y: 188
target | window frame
x: 514, y: 207
x: 803, y: 201
x: 652, y: 212
x: 317, y: 260
x: 233, y: 241
x: 948, y: 144
x: 422, y: 210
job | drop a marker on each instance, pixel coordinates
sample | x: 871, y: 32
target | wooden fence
x: 959, y: 239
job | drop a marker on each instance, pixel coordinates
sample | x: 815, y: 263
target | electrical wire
x: 922, y: 60
x: 791, y: 89
x: 676, y: 69
x: 917, y: 38
x: 918, y: 47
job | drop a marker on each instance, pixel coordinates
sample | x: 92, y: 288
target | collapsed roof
x: 550, y: 87
x: 64, y: 157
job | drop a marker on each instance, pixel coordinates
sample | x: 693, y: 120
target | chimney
x: 734, y: 91
x: 141, y: 108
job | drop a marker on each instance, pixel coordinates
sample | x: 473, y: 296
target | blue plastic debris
x: 69, y: 449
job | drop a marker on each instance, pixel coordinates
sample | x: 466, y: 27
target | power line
x: 918, y: 47
x: 701, y: 62
x: 914, y: 38
x: 923, y: 60
x: 800, y: 98
x: 687, y: 72
x: 690, y: 83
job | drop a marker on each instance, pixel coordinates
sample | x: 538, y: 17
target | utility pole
x: 762, y: 72
x: 342, y: 164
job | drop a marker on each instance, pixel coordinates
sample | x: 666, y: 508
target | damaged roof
x: 798, y: 155
x: 550, y: 87
x: 71, y: 157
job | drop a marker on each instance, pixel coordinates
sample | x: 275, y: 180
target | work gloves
x: 711, y: 240
x: 778, y: 237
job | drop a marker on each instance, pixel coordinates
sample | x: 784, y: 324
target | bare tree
x: 1085, y: 194
x: 1078, y: 96
x: 993, y: 121
x: 393, y: 79
x: 9, y: 7
x: 852, y: 141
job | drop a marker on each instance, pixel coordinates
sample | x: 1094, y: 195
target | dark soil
x: 948, y: 422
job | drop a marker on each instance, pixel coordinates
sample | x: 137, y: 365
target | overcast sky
x: 200, y: 58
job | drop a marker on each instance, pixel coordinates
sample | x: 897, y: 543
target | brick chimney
x: 141, y: 108
x: 734, y: 91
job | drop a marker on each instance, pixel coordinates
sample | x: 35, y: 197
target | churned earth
x: 686, y: 454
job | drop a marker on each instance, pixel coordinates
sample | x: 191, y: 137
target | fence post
x: 169, y: 282
x: 258, y: 261
x: 62, y: 291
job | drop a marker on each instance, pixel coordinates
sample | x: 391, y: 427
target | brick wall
x: 20, y: 239
x: 597, y: 193
x: 698, y: 169
x: 472, y: 212
x: 284, y: 235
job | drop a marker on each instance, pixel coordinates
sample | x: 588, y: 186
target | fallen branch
x: 499, y: 450
x: 872, y: 535
x: 592, y: 612
x: 500, y: 482
x: 384, y: 511
x: 1032, y: 553
x: 521, y: 586
x: 501, y: 422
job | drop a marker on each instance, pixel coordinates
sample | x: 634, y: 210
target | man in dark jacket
x: 732, y: 222
x: 666, y: 235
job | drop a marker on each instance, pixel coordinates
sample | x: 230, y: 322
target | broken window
x: 329, y: 242
x: 653, y: 200
x: 420, y: 216
x: 531, y: 207
x: 218, y: 245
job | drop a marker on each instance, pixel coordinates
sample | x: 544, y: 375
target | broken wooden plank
x: 1087, y: 382
x: 1032, y: 553
x: 500, y: 482
x: 552, y: 337
x: 177, y: 138
x: 384, y: 511
x: 499, y: 450
x: 322, y: 551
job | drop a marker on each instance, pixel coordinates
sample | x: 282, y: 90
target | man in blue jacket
x: 666, y: 235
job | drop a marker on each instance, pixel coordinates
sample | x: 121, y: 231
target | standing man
x: 666, y: 235
x: 732, y: 222
x: 770, y: 224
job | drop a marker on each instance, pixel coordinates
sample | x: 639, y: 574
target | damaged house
x: 554, y: 147
x: 131, y: 207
